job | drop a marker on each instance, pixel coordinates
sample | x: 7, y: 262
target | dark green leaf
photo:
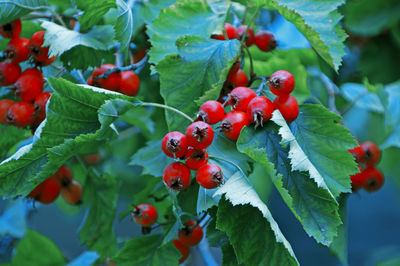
x: 10, y: 136
x: 124, y: 26
x: 339, y: 244
x: 228, y: 256
x: 10, y: 10
x: 94, y: 11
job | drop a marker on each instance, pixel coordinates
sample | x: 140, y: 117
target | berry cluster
x: 28, y: 85
x: 61, y: 182
x: 264, y: 40
x: 125, y: 82
x: 367, y: 155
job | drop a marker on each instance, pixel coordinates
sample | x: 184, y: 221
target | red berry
x: 9, y: 73
x: 250, y: 38
x: 239, y: 79
x: 111, y: 82
x: 17, y: 50
x: 357, y: 180
x: 288, y: 107
x: 64, y: 176
x: 184, y: 250
x: 230, y: 32
x: 40, y: 106
x: 235, y: 68
x: 372, y: 154
x: 34, y: 72
x: 129, y: 84
x: 196, y: 158
x: 72, y: 194
x: 11, y: 29
x: 357, y: 153
x: 145, y: 214
x: 28, y: 87
x: 176, y: 176
x: 20, y: 114
x: 47, y: 191
x: 265, y: 41
x: 191, y: 234
x: 209, y: 176
x: 40, y: 53
x: 260, y: 110
x: 92, y: 159
x: 4, y: 106
x: 240, y: 97
x: 233, y: 123
x: 373, y: 179
x: 174, y: 144
x: 281, y: 83
x: 199, y: 135
x: 211, y: 112
x: 90, y: 81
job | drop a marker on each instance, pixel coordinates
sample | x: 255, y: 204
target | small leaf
x: 94, y: 11
x: 361, y: 97
x: 11, y: 10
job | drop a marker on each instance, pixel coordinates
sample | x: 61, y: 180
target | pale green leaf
x: 94, y: 11
x: 13, y: 9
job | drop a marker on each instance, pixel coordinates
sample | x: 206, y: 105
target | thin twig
x: 350, y: 104
x: 168, y: 108
x: 136, y: 66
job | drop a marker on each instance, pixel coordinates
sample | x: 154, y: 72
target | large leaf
x: 124, y: 26
x: 93, y: 11
x: 13, y: 9
x: 313, y: 206
x: 79, y: 50
x: 200, y: 68
x: 146, y: 250
x: 339, y: 244
x: 392, y: 115
x: 10, y: 136
x: 361, y: 97
x: 186, y: 17
x: 318, y: 145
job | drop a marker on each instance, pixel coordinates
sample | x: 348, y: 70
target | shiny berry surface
x: 11, y: 29
x: 174, y: 144
x: 9, y: 73
x: 129, y: 84
x: 240, y: 97
x: 233, y: 123
x: 145, y: 214
x: 196, y: 158
x: 250, y: 37
x: 191, y: 234
x: 211, y: 112
x: 40, y: 105
x: 260, y: 110
x: 199, y: 135
x: 265, y: 41
x: 209, y: 176
x: 4, y: 106
x: 373, y: 179
x: 372, y: 154
x: 239, y: 79
x: 357, y: 153
x: 47, y: 191
x: 183, y: 249
x: 17, y: 50
x: 39, y: 52
x: 230, y: 32
x: 111, y: 82
x: 72, y: 194
x: 288, y: 107
x: 281, y: 83
x: 357, y: 180
x: 20, y: 113
x: 176, y: 176
x: 28, y: 87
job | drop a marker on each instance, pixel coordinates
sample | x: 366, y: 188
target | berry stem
x: 137, y: 67
x: 54, y: 13
x: 252, y: 74
x: 168, y: 108
x: 225, y: 160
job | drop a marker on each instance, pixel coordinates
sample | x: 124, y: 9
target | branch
x: 137, y: 67
x: 168, y: 108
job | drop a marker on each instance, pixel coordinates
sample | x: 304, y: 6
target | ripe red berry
x: 64, y: 176
x: 111, y: 82
x: 209, y: 176
x: 39, y: 53
x: 250, y: 38
x: 176, y: 176
x: 129, y: 84
x: 72, y: 194
x: 372, y: 154
x: 373, y: 179
x: 90, y: 81
x: 145, y: 214
x: 174, y: 144
x: 196, y: 158
x: 47, y: 191
x: 4, y: 106
x: 11, y: 29
x: 9, y: 73
x: 199, y: 135
x: 239, y: 79
x: 184, y: 250
x: 34, y: 72
x: 233, y: 123
x: 260, y: 110
x: 28, y: 87
x: 211, y: 112
x: 40, y: 106
x: 235, y: 68
x: 357, y: 180
x: 92, y: 159
x: 20, y: 114
x: 191, y: 234
x: 265, y: 41
x: 288, y: 107
x: 230, y: 32
x: 17, y: 50
x: 240, y: 97
x: 357, y: 153
x: 281, y: 83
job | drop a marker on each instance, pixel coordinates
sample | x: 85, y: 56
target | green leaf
x: 10, y: 136
x: 313, y: 206
x: 79, y: 50
x: 151, y: 9
x: 318, y: 145
x: 339, y: 244
x: 228, y: 256
x: 94, y: 11
x: 369, y: 17
x: 392, y: 116
x: 124, y: 26
x: 361, y: 97
x: 146, y: 250
x: 186, y: 17
x: 10, y: 10
x: 97, y: 232
x: 30, y: 250
x: 200, y: 68
x: 215, y: 237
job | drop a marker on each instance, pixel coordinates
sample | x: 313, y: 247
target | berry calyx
x: 260, y: 110
x: 288, y: 107
x: 47, y: 191
x: 199, y: 135
x: 373, y: 179
x: 233, y: 123
x: 239, y: 79
x: 28, y: 87
x: 176, y: 176
x: 17, y: 50
x: 358, y: 154
x: 211, y: 112
x: 11, y: 29
x: 39, y: 53
x: 372, y: 154
x: 4, y: 106
x: 230, y: 32
x: 40, y: 106
x: 72, y: 194
x: 191, y: 234
x: 145, y: 214
x: 196, y: 158
x: 250, y: 37
x: 9, y: 73
x: 20, y: 114
x: 209, y: 176
x: 265, y: 41
x: 281, y: 83
x: 184, y: 250
x: 240, y: 97
x: 174, y: 144
x: 129, y: 84
x: 111, y: 82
